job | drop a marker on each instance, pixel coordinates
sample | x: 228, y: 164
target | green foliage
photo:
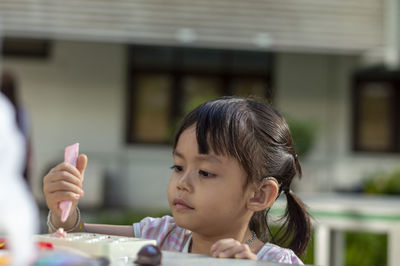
x: 308, y: 256
x: 383, y: 183
x: 362, y: 249
x: 366, y: 249
x: 303, y: 133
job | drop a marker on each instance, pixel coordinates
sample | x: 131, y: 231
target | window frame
x: 176, y: 90
x: 360, y: 80
x: 23, y: 48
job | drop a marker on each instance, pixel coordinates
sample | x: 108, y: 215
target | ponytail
x: 295, y: 231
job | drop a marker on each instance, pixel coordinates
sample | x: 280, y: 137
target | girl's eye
x: 177, y: 168
x: 206, y: 174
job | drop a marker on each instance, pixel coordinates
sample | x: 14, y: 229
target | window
x: 198, y: 89
x: 23, y: 47
x: 167, y: 82
x: 376, y: 112
x: 152, y: 101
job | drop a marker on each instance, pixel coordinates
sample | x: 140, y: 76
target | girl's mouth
x: 180, y: 204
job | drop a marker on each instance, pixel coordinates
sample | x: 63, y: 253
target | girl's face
x: 206, y: 192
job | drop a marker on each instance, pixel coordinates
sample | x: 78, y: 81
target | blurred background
x: 117, y: 77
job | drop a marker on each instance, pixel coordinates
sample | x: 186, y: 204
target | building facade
x: 101, y: 70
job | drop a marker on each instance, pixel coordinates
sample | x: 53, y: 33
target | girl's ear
x: 263, y: 195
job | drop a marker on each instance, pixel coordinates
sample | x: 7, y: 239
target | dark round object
x: 149, y: 255
x: 102, y: 261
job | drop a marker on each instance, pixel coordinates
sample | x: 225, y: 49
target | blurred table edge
x: 170, y: 258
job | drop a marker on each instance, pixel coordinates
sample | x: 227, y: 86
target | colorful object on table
x: 61, y: 258
x: 70, y: 156
x: 3, y: 244
x: 149, y: 255
x: 5, y: 259
x: 45, y: 245
x: 41, y: 244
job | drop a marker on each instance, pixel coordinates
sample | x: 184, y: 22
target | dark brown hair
x: 258, y: 137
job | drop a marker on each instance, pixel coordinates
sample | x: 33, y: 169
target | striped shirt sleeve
x: 164, y: 230
x: 273, y: 253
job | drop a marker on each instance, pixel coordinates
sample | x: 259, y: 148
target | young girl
x: 232, y: 158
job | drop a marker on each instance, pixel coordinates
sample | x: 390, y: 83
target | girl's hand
x: 231, y: 248
x: 64, y: 182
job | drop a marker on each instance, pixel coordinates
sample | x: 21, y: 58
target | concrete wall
x: 73, y: 96
x: 78, y: 95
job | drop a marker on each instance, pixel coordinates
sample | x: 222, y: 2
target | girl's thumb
x: 81, y: 163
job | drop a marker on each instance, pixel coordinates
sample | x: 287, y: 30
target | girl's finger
x: 64, y: 166
x: 223, y: 244
x: 81, y: 164
x: 62, y: 186
x: 246, y: 255
x: 231, y: 252
x: 58, y: 196
x: 63, y: 175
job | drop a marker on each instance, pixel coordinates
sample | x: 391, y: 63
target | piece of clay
x: 70, y: 156
x: 60, y: 233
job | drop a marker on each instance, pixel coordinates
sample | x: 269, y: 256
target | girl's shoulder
x: 164, y: 230
x: 155, y: 222
x: 273, y: 253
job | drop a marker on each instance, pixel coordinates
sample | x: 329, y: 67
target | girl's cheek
x: 170, y: 185
x: 172, y: 180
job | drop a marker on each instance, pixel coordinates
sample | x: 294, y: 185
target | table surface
x: 170, y: 258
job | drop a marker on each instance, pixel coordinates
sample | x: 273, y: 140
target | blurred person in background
x: 10, y: 89
x: 19, y: 214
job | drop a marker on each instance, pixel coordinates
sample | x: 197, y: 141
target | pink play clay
x: 60, y: 233
x: 70, y: 156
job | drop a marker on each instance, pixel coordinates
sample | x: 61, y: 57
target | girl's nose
x: 185, y: 181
